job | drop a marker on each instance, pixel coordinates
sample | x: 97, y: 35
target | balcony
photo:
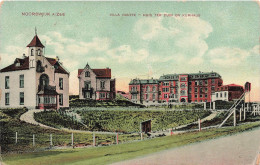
x: 47, y: 90
x: 87, y: 89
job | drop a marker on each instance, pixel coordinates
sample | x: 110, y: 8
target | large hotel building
x: 194, y: 87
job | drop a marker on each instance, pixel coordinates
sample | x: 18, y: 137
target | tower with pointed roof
x: 35, y: 50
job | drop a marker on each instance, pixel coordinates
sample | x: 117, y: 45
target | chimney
x: 57, y: 58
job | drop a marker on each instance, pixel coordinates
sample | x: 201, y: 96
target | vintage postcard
x: 129, y: 82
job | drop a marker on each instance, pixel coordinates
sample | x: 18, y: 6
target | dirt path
x: 239, y: 149
x: 29, y: 118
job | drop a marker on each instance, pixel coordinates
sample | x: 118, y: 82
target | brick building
x: 144, y: 91
x: 96, y: 84
x: 228, y: 92
x: 195, y: 87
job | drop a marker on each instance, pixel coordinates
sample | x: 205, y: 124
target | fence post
x: 235, y: 122
x: 214, y: 105
x: 51, y: 140
x: 141, y: 131
x: 205, y: 106
x: 15, y: 137
x: 199, y: 125
x: 33, y: 140
x: 116, y: 138
x: 94, y: 140
x: 244, y: 108
x: 240, y: 114
x: 210, y: 105
x: 72, y: 140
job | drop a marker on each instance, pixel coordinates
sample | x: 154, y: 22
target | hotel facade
x: 170, y: 88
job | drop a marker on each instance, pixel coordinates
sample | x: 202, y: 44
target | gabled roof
x: 57, y: 66
x: 35, y: 42
x: 100, y: 73
x: 24, y: 64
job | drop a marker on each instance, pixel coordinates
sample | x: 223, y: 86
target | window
x: 165, y: 89
x: 206, y: 82
x: 103, y: 95
x: 147, y: 89
x: 21, y: 81
x: 171, y: 96
x: 165, y: 96
x: 183, y: 92
x: 87, y: 85
x: 38, y: 52
x: 102, y: 84
x: 201, y: 96
x: 147, y: 96
x: 61, y: 99
x: 220, y: 94
x: 213, y: 81
x: 153, y: 96
x: 196, y: 82
x: 225, y: 94
x: 196, y: 89
x: 165, y: 83
x: 183, y: 79
x: 7, y: 82
x: 206, y: 96
x: 183, y: 85
x: 201, y: 90
x: 196, y: 96
x: 154, y: 88
x: 216, y: 95
x: 213, y: 88
x: 61, y: 83
x: 32, y: 52
x: 21, y: 98
x: 87, y: 74
x: 201, y: 82
x: 206, y: 90
x: 7, y: 98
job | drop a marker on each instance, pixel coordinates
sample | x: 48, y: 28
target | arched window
x: 39, y: 66
x: 39, y: 52
x: 32, y: 52
x: 44, y: 80
x: 87, y: 74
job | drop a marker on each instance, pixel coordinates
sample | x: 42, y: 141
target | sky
x: 219, y: 36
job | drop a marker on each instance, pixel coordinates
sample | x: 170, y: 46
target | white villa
x: 34, y: 81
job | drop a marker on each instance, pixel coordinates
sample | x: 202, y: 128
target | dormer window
x: 87, y: 74
x: 32, y: 54
x: 17, y: 64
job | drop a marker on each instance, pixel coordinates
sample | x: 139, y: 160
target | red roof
x: 35, y: 42
x: 24, y: 64
x: 58, y: 68
x: 100, y: 73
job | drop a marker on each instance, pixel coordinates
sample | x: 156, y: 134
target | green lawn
x: 129, y: 120
x: 115, y: 153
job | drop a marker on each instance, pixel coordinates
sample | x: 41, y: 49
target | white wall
x: 14, y: 90
x: 65, y: 90
x: 92, y: 79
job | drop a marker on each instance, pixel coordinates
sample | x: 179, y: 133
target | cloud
x: 173, y: 36
x: 125, y: 53
x: 226, y: 56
